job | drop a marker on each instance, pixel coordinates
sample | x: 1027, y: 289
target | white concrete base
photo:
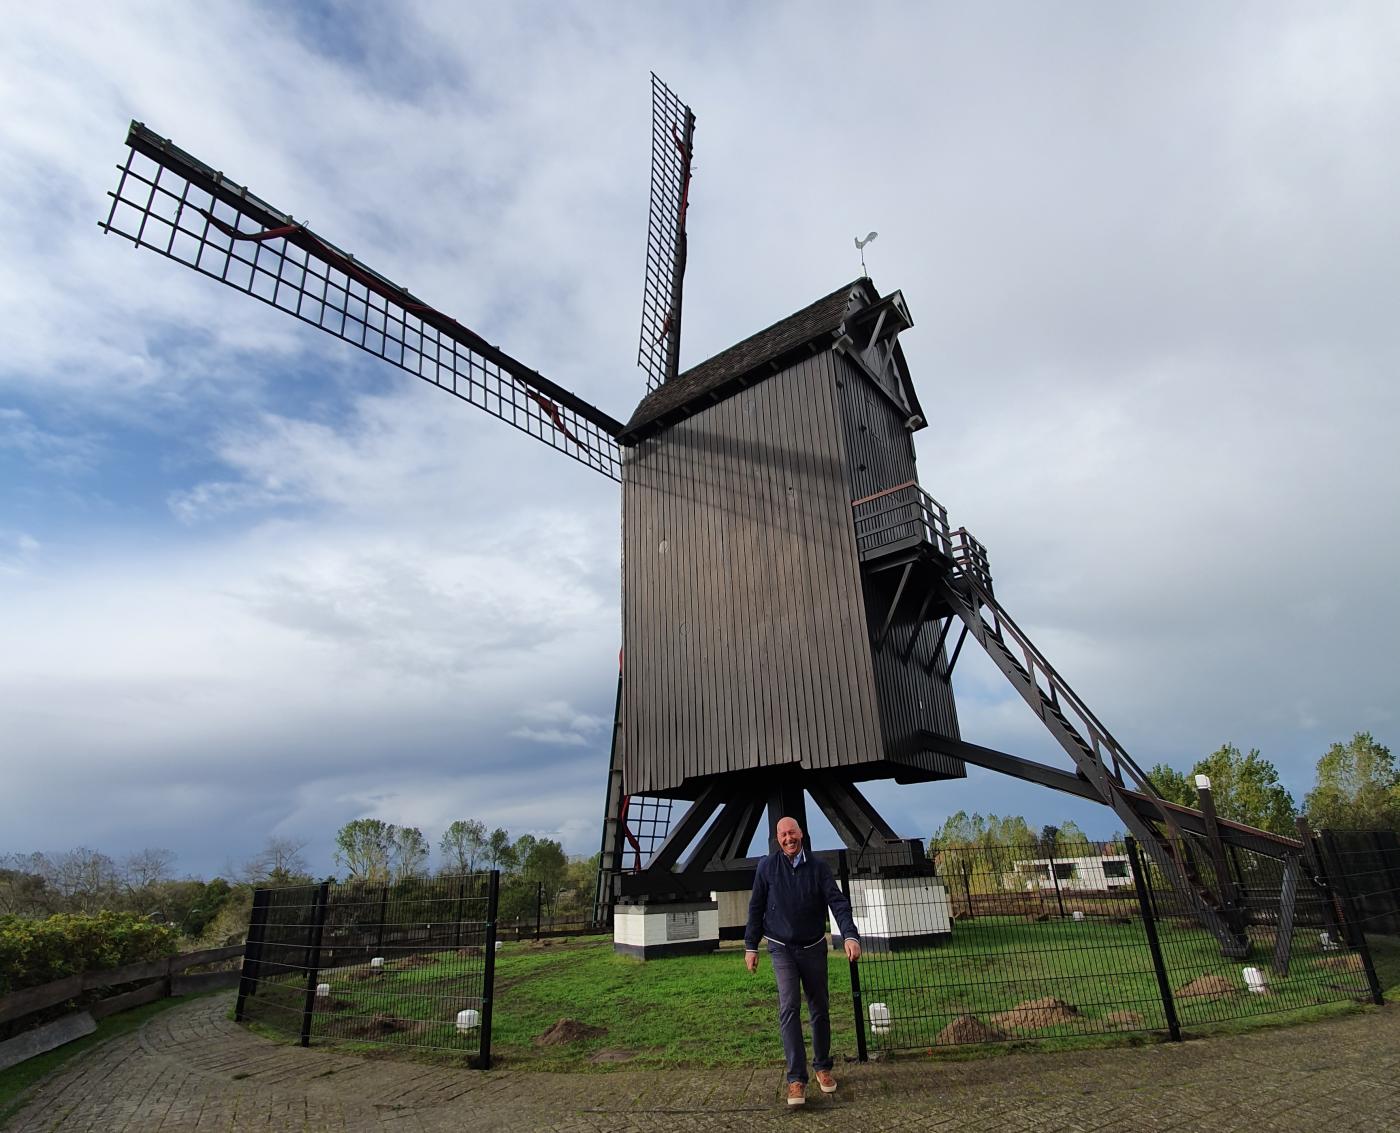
x: 673, y: 929
x: 895, y: 913
x: 733, y: 912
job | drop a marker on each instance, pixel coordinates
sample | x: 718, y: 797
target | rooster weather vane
x: 789, y: 591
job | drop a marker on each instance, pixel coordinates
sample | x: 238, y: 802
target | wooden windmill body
x: 788, y: 588
x: 750, y: 677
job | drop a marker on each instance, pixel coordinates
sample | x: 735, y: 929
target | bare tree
x: 147, y: 867
x: 85, y: 878
x: 279, y: 862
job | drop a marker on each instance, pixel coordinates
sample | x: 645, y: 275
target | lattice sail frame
x: 646, y: 821
x: 175, y: 205
x: 672, y: 141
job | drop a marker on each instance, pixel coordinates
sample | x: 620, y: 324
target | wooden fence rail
x: 165, y: 973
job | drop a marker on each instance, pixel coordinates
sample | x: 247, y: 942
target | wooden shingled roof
x: 746, y: 362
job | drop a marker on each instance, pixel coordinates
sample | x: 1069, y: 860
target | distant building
x: 1096, y: 873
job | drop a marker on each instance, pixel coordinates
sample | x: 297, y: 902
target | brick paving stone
x: 191, y: 1068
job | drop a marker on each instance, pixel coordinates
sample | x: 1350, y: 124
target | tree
x: 85, y: 878
x: 1073, y: 842
x: 499, y: 851
x: 146, y: 868
x: 545, y: 865
x: 520, y: 851
x: 1172, y: 785
x: 279, y: 862
x: 408, y: 852
x: 462, y: 845
x: 364, y: 847
x: 1246, y: 789
x: 24, y: 889
x: 1358, y: 787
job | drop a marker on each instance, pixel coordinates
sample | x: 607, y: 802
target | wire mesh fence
x: 1367, y: 862
x: 406, y: 964
x: 1009, y: 943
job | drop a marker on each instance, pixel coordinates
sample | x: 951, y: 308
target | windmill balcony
x: 905, y: 523
x: 901, y: 522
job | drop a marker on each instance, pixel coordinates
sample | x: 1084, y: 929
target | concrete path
x: 191, y: 1069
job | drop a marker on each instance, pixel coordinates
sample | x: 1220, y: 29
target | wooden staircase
x: 905, y: 530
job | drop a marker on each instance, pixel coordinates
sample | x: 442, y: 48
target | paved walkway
x: 191, y: 1069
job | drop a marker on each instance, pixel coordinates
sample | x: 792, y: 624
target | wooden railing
x: 164, y: 974
x: 899, y: 515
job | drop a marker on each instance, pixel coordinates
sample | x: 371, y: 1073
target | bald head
x: 789, y: 835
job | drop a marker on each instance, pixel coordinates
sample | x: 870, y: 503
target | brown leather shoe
x: 797, y: 1093
x: 826, y: 1081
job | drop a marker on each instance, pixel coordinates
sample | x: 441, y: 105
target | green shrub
x: 34, y: 952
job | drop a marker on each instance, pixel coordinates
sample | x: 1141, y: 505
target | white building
x: 1095, y: 874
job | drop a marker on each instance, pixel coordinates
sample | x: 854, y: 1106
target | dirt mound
x: 968, y: 1029
x: 407, y: 963
x: 333, y: 1003
x: 1037, y: 1013
x: 1123, y: 1020
x: 380, y: 1024
x: 1348, y: 963
x: 1206, y: 987
x: 569, y: 1031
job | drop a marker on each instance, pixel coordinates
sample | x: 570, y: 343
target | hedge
x: 34, y: 952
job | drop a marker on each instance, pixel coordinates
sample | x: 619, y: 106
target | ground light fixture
x: 879, y: 1019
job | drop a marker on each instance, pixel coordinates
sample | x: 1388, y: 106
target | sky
x: 254, y: 583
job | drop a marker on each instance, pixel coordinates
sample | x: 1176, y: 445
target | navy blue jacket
x: 789, y: 903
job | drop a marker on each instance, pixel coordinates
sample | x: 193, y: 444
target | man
x: 791, y: 893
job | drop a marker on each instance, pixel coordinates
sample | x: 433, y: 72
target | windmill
x: 789, y: 589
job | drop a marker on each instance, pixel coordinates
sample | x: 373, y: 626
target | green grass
x: 709, y: 1011
x: 15, y: 1081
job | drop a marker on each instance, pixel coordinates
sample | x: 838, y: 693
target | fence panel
x: 1368, y: 861
x: 1296, y: 956
x: 403, y: 964
x: 1006, y: 943
x: 1016, y: 943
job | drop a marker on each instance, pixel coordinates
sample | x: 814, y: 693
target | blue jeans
x: 804, y: 967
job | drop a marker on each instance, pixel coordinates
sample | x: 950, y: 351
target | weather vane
x: 860, y: 246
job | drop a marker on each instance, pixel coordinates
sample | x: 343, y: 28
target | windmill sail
x: 174, y: 204
x: 672, y: 139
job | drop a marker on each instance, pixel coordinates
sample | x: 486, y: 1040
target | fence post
x: 457, y: 918
x: 1154, y: 945
x: 862, y: 1051
x: 313, y: 959
x: 383, y: 916
x: 1318, y: 869
x: 488, y: 976
x: 252, y: 951
x: 1356, y: 935
x: 1055, y: 881
x: 539, y: 907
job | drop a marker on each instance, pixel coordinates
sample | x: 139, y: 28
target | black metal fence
x: 1367, y: 863
x: 405, y: 964
x: 1016, y: 943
